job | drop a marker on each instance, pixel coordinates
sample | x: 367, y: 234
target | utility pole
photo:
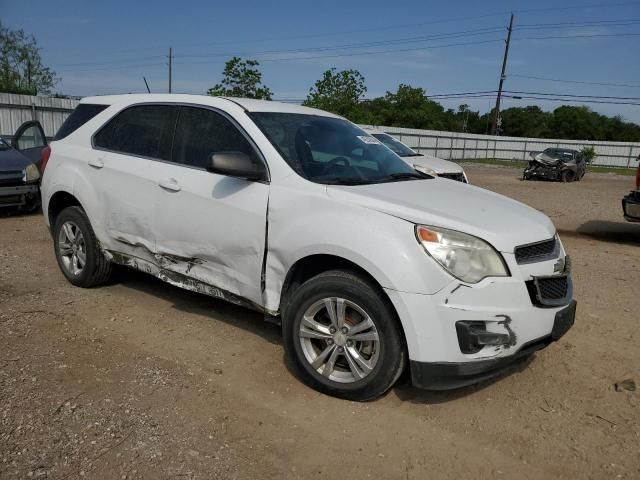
x: 170, y: 61
x: 29, y: 74
x: 496, y: 119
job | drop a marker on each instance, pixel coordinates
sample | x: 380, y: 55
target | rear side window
x: 202, y: 132
x: 144, y: 130
x: 81, y: 115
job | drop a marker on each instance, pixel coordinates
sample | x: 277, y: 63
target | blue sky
x: 106, y: 47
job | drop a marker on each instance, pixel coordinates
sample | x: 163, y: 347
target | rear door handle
x: 96, y: 163
x: 170, y: 184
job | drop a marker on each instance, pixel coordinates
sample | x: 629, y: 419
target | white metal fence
x: 458, y: 146
x: 17, y: 109
x: 51, y: 112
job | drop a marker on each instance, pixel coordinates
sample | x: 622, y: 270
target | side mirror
x: 236, y: 164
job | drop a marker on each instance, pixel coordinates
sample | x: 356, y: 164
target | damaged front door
x: 210, y: 228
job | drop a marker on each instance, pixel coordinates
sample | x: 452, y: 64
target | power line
x: 482, y: 31
x: 595, y: 35
x: 522, y: 92
x: 393, y: 41
x: 572, y: 95
x: 626, y: 85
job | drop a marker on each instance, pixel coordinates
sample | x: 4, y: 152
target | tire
x: 567, y: 176
x: 346, y: 377
x: 95, y: 269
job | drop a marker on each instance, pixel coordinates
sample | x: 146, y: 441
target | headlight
x: 466, y: 257
x: 30, y: 174
x: 426, y: 170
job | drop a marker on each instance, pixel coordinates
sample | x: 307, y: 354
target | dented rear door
x: 210, y: 228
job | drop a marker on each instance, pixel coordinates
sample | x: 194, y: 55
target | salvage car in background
x: 20, y: 167
x: 370, y: 266
x: 631, y: 203
x: 423, y: 163
x: 558, y: 164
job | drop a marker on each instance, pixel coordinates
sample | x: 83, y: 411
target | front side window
x: 145, y: 130
x: 201, y: 133
x: 398, y: 147
x: 331, y: 150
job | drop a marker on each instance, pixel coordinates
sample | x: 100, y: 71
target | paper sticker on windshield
x: 369, y: 140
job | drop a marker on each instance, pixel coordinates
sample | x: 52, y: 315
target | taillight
x: 44, y: 155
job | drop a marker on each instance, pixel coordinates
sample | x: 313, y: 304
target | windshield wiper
x: 404, y: 176
x: 412, y: 155
x: 346, y: 182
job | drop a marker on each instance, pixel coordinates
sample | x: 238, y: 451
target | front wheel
x: 343, y: 337
x: 567, y: 176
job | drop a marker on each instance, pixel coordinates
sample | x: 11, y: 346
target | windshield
x: 4, y: 145
x: 560, y: 153
x: 332, y: 150
x: 397, y: 147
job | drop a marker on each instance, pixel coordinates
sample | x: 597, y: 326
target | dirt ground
x: 139, y: 379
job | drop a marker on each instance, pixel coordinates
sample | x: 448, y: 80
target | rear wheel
x: 343, y: 337
x: 77, y: 250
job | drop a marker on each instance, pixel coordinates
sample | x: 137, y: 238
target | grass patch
x: 521, y: 164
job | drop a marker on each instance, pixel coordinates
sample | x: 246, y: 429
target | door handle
x: 170, y: 184
x: 96, y: 163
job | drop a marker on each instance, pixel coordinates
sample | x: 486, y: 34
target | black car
x: 558, y: 164
x: 21, y: 167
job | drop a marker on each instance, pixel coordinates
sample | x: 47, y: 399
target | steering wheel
x: 343, y: 162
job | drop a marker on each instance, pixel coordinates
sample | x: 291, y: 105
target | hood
x: 434, y: 163
x: 502, y: 221
x: 549, y: 159
x: 12, y: 160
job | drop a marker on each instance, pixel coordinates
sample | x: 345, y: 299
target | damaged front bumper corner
x: 463, y: 335
x: 451, y: 375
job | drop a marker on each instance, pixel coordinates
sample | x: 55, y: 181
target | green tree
x: 21, y: 68
x: 337, y: 92
x: 241, y: 78
x: 588, y: 153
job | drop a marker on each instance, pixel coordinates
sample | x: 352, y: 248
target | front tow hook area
x: 473, y: 335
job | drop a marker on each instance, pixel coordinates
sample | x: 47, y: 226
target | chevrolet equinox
x: 370, y: 266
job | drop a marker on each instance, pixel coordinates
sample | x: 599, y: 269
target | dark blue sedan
x: 20, y: 167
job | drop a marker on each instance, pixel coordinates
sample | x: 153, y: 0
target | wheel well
x: 59, y: 202
x: 310, y: 266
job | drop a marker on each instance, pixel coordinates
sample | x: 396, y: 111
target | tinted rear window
x: 145, y: 130
x: 81, y: 115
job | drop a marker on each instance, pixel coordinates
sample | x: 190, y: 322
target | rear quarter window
x: 81, y: 115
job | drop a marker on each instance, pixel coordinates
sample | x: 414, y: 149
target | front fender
x: 312, y: 223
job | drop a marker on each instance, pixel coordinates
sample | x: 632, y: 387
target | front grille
x: 549, y: 291
x: 11, y: 179
x: 458, y: 177
x: 537, y: 252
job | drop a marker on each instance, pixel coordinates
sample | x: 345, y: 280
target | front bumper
x: 465, y: 333
x: 450, y: 375
x: 631, y: 207
x: 19, y: 195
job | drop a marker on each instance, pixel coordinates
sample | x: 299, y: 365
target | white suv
x: 421, y: 162
x: 370, y: 266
